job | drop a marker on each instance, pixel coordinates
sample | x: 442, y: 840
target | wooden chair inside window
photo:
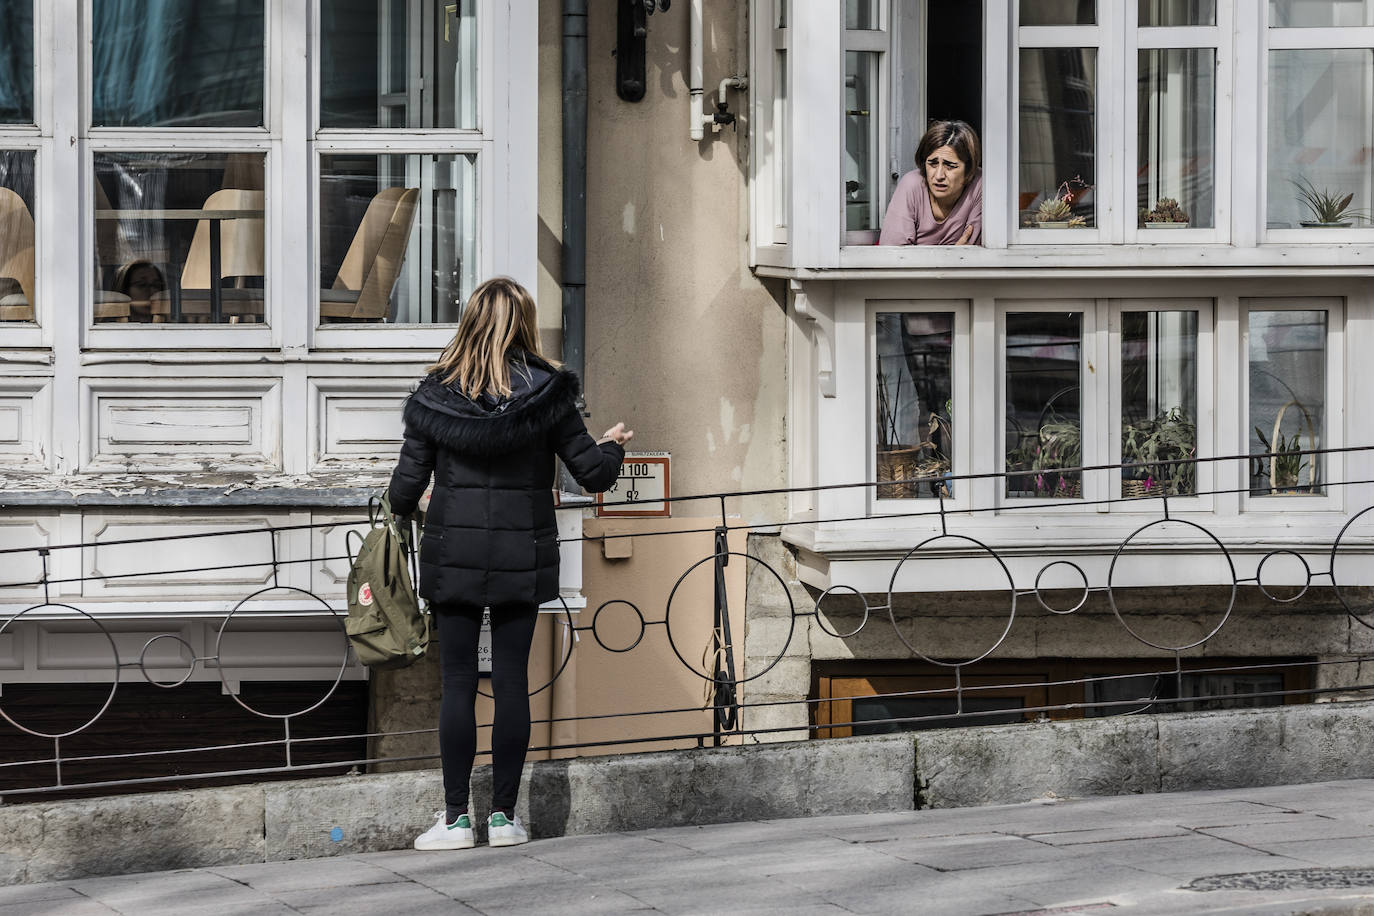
x: 242, y: 256
x: 372, y: 265
x: 16, y: 258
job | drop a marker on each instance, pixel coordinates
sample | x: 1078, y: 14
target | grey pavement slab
x: 1275, y: 850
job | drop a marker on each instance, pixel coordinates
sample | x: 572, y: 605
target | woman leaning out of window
x: 940, y: 202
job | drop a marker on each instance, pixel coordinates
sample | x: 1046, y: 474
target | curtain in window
x: 16, y: 62
x: 178, y: 63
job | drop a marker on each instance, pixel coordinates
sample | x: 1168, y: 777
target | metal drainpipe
x: 575, y: 187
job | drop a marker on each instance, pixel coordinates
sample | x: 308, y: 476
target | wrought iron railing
x: 723, y: 674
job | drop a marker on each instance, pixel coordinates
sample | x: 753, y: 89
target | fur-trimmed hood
x: 540, y: 394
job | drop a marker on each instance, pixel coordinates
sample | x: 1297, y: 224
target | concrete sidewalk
x: 1282, y: 849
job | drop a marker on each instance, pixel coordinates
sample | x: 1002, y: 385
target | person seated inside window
x: 940, y: 202
x: 140, y: 281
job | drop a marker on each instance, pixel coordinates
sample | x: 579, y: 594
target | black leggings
x: 512, y: 631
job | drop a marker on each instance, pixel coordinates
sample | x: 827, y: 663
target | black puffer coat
x: 490, y: 535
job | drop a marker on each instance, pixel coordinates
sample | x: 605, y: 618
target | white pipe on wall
x: 696, y: 119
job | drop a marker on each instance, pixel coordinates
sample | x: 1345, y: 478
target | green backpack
x: 385, y: 624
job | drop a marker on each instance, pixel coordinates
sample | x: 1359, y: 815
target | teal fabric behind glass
x: 16, y: 62
x: 177, y: 63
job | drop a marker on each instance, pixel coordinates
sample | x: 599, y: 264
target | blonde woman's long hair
x: 499, y: 318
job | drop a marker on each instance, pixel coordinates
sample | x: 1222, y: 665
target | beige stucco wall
x: 683, y: 343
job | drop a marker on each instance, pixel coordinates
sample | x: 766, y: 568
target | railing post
x: 725, y: 702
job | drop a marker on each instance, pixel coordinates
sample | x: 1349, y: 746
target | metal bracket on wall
x: 631, y: 37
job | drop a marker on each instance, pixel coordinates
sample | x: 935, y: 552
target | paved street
x: 1286, y: 849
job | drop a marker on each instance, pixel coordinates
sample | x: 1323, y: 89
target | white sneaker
x: 458, y: 835
x: 503, y: 831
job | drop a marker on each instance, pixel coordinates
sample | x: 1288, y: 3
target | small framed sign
x: 644, y: 479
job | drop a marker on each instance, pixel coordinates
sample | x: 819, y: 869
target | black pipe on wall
x: 575, y: 186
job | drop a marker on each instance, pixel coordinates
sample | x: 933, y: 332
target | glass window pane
x: 871, y: 713
x: 398, y: 237
x: 1320, y: 13
x: 861, y: 14
x: 914, y: 398
x: 1177, y: 12
x: 1044, y: 423
x: 177, y: 63
x: 782, y: 14
x: 1058, y: 12
x: 1058, y: 137
x: 780, y: 134
x: 398, y: 64
x: 1321, y: 137
x: 16, y: 62
x: 179, y: 238
x: 1287, y: 367
x: 862, y: 195
x: 1176, y: 137
x: 1158, y: 402
x: 17, y: 263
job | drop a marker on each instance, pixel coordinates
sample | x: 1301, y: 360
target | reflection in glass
x: 1177, y: 13
x: 177, y: 63
x: 179, y: 238
x: 1321, y: 137
x: 1161, y: 692
x: 17, y: 302
x: 914, y: 400
x: 1287, y: 366
x: 862, y: 197
x: 398, y: 237
x: 16, y: 62
x: 779, y: 135
x: 1176, y: 137
x: 1058, y: 137
x: 398, y: 64
x: 1320, y: 13
x: 782, y: 13
x: 871, y: 714
x: 1044, y: 430
x: 1058, y: 12
x: 1158, y: 402
x: 861, y: 14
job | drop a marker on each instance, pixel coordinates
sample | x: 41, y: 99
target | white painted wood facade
x: 835, y: 290
x: 116, y: 432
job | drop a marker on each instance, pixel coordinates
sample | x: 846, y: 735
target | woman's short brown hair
x: 958, y: 136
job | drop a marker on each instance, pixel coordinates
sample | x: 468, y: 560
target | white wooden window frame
x: 504, y: 144
x: 961, y: 359
x: 1294, y: 39
x: 266, y: 139
x: 1093, y: 445
x: 1203, y: 395
x: 877, y: 40
x: 36, y: 138
x: 1212, y: 38
x: 1104, y: 39
x: 769, y: 166
x: 1333, y: 497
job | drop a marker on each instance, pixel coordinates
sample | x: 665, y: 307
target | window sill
x: 1323, y: 258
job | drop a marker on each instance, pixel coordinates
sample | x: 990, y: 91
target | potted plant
x: 1329, y: 209
x: 1056, y: 212
x: 1148, y: 444
x: 1167, y: 214
x: 909, y: 464
x: 1059, y: 444
x: 1286, y: 462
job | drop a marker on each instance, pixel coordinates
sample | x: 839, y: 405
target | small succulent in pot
x: 1166, y: 212
x: 1057, y: 211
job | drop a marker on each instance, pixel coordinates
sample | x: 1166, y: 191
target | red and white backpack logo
x: 365, y: 594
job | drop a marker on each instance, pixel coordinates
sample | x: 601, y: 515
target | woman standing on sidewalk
x: 486, y: 423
